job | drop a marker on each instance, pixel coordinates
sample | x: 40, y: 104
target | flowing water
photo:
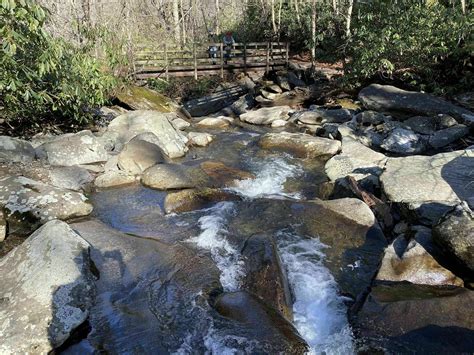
x: 319, y: 311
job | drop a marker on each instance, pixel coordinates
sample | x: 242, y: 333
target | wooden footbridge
x: 209, y: 59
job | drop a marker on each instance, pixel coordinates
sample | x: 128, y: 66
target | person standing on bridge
x: 228, y: 41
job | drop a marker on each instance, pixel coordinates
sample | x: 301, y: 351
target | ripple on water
x: 319, y: 311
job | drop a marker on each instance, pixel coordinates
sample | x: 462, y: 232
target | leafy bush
x: 405, y: 40
x: 43, y: 77
x: 185, y: 88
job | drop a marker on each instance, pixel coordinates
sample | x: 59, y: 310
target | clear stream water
x: 319, y: 310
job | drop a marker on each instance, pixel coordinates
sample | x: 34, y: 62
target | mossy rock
x: 141, y: 98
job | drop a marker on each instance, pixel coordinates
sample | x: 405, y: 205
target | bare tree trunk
x: 348, y: 18
x: 313, y: 31
x: 183, y: 24
x: 335, y: 7
x: 297, y: 11
x: 279, y: 18
x: 463, y: 6
x: 218, y: 27
x: 272, y: 4
x: 177, y: 29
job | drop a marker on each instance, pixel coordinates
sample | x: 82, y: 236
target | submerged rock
x: 266, y: 115
x: 455, y: 235
x: 33, y: 199
x: 260, y: 319
x: 47, y: 290
x: 407, y: 318
x: 386, y: 98
x: 125, y: 127
x: 15, y: 150
x: 139, y: 155
x: 195, y: 199
x: 73, y: 149
x: 412, y: 261
x: 300, y: 144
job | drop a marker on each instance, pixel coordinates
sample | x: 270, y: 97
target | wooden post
x: 267, y: 66
x: 245, y: 58
x: 222, y: 60
x: 195, y: 62
x: 287, y: 54
x: 166, y: 62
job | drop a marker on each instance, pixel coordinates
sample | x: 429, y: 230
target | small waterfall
x: 213, y: 238
x: 319, y: 311
x: 271, y: 175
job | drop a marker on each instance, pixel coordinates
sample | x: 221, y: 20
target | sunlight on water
x: 319, y: 311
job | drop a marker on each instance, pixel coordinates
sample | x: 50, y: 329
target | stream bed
x: 268, y: 273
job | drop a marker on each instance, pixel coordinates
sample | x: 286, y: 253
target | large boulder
x: 47, y: 290
x: 15, y: 150
x: 70, y: 177
x: 125, y: 127
x: 412, y: 261
x: 429, y: 125
x: 141, y: 98
x: 266, y: 115
x: 300, y: 144
x: 443, y: 178
x: 138, y: 155
x: 214, y: 102
x: 73, y: 149
x: 402, y: 318
x: 447, y: 136
x: 386, y: 98
x: 455, y: 235
x: 169, y: 177
x: 26, y: 197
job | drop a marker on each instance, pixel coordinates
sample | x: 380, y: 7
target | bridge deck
x: 210, y: 59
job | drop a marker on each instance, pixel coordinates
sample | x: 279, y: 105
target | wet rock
x: 265, y: 276
x: 407, y: 318
x: 26, y: 197
x: 195, y: 199
x: 168, y: 177
x: 47, y: 290
x: 455, y: 235
x: 127, y: 126
x: 242, y: 105
x: 70, y: 177
x: 328, y: 130
x: 3, y: 226
x: 73, y: 149
x: 257, y: 316
x: 300, y: 144
x: 412, y: 261
x: 352, y: 209
x: 200, y: 139
x: 447, y: 136
x: 221, y: 175
x: 141, y: 98
x: 266, y: 115
x: 403, y: 141
x: 386, y: 98
x: 15, y: 150
x: 214, y: 102
x: 443, y: 177
x: 138, y: 155
x: 215, y: 122
x: 370, y: 118
x: 356, y: 160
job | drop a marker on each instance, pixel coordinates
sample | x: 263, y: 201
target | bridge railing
x: 209, y: 59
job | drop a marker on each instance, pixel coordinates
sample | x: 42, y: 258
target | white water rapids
x: 319, y: 312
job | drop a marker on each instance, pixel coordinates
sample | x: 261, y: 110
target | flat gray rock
x: 125, y: 127
x: 139, y: 155
x: 386, y: 98
x: 447, y: 136
x: 47, y: 290
x: 40, y: 201
x: 15, y: 150
x: 70, y: 177
x: 73, y: 149
x: 266, y: 115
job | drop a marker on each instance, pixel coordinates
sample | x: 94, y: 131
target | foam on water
x: 213, y: 237
x: 271, y: 175
x: 319, y: 311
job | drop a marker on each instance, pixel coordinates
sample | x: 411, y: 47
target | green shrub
x: 406, y: 41
x: 43, y: 77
